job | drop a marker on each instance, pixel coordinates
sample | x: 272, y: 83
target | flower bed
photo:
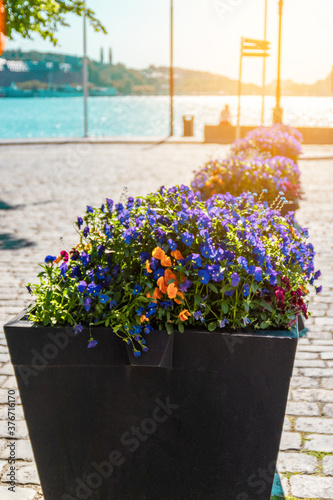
x: 278, y: 140
x: 273, y: 176
x: 169, y: 260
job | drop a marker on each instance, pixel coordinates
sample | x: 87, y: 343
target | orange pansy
x: 172, y: 291
x: 58, y: 259
x: 166, y: 261
x: 181, y: 295
x: 158, y: 253
x: 157, y: 294
x: 177, y: 255
x: 184, y: 315
x: 148, y: 267
x: 143, y: 318
x: 161, y: 284
x: 169, y: 275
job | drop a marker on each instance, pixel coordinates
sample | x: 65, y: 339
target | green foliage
x: 27, y: 17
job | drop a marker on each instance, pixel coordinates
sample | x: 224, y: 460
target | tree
x: 44, y: 17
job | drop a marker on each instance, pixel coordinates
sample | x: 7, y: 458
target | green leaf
x: 212, y: 326
x: 197, y: 299
x: 213, y: 287
x: 169, y: 327
x: 181, y: 327
x: 225, y: 307
x: 265, y: 305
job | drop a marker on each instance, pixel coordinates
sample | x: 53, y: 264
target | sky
x: 207, y: 36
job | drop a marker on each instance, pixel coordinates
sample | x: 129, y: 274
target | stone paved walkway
x: 44, y: 188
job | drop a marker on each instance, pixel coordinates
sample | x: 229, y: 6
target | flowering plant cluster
x: 169, y: 260
x: 278, y: 140
x: 271, y: 176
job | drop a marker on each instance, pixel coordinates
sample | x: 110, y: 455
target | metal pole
x: 238, y: 134
x: 278, y: 110
x: 171, y: 69
x: 264, y: 70
x: 85, y: 73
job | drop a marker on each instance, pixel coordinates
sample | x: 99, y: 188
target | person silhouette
x: 225, y: 117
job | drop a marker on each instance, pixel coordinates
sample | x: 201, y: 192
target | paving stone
x: 314, y: 348
x: 319, y: 442
x: 310, y: 395
x: 7, y: 369
x: 309, y: 363
x: 296, y: 462
x: 290, y: 441
x: 314, y: 424
x: 327, y: 383
x: 306, y: 409
x: 25, y: 474
x: 328, y: 465
x: 326, y: 355
x: 286, y: 424
x: 304, y: 382
x: 311, y: 487
x: 20, y: 432
x: 18, y: 412
x: 317, y: 372
x: 20, y: 493
x: 328, y: 410
x: 23, y: 450
x: 307, y: 355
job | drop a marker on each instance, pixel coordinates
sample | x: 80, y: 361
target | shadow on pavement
x: 10, y: 242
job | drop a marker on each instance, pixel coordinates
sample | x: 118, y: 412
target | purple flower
x: 246, y: 290
x: 85, y: 258
x: 187, y: 238
x: 319, y: 289
x: 243, y: 262
x: 172, y: 244
x: 166, y: 304
x: 104, y: 298
x: 82, y: 286
x: 143, y: 256
x: 273, y: 278
x: 63, y: 269
x: 204, y: 276
x: 92, y: 343
x: 87, y: 303
x: 79, y: 222
x: 235, y: 279
x: 223, y: 323
x: 86, y: 231
x: 198, y: 315
x: 258, y: 274
x: 90, y: 209
x: 148, y: 329
x: 29, y: 289
x: 317, y: 275
x: 78, y: 329
x: 109, y: 204
x: 246, y: 321
x: 184, y: 286
x: 137, y: 289
x: 49, y: 259
x: 137, y: 354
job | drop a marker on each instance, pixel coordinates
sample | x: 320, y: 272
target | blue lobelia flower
x: 140, y: 311
x: 78, y: 329
x: 137, y: 354
x: 92, y: 343
x: 148, y: 329
x: 104, y: 298
x: 187, y: 238
x: 317, y: 275
x: 79, y: 222
x: 166, y: 304
x: 204, y: 276
x: 86, y: 231
x: 109, y: 203
x: 90, y: 209
x: 235, y: 279
x: 319, y: 289
x: 198, y: 316
x: 82, y: 286
x: 137, y: 289
x: 112, y: 304
x: 49, y: 259
x: 246, y: 290
x: 223, y: 322
x: 246, y: 321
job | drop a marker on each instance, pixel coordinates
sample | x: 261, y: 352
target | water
x: 146, y: 116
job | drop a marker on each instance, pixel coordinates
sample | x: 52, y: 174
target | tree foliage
x: 27, y: 17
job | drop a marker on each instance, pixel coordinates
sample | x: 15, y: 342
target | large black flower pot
x: 198, y: 417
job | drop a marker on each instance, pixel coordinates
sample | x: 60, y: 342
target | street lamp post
x: 171, y: 69
x: 264, y: 70
x: 85, y: 73
x: 277, y: 113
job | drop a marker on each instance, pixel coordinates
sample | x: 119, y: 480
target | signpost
x: 171, y: 68
x: 278, y: 111
x: 249, y: 48
x: 264, y: 70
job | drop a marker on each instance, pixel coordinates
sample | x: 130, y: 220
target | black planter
x: 198, y: 417
x: 289, y: 207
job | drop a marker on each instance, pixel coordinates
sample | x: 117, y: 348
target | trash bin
x: 188, y: 121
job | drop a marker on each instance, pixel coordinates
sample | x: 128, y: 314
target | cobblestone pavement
x: 44, y: 188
